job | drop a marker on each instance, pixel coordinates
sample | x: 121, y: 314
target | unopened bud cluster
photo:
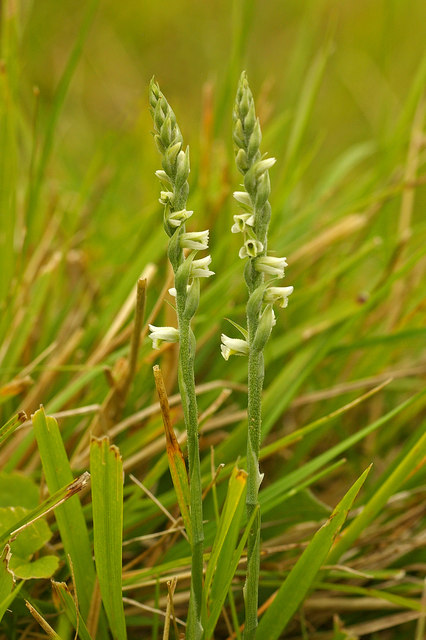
x: 174, y: 194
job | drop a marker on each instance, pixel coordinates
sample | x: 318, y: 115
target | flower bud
x: 243, y: 198
x: 263, y: 331
x: 192, y: 299
x: 263, y: 165
x: 182, y: 167
x: 241, y: 161
x: 162, y: 175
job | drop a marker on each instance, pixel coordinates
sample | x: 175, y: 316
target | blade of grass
x: 230, y: 569
x: 292, y: 592
x: 407, y: 466
x: 225, y: 539
x: 106, y: 468
x: 70, y: 518
x: 66, y: 603
x: 7, y: 429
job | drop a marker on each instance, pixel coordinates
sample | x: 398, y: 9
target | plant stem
x: 255, y: 384
x: 189, y: 403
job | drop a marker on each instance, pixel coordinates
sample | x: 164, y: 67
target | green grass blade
x: 66, y: 603
x: 106, y: 468
x: 7, y: 429
x: 225, y: 540
x: 300, y: 579
x: 218, y: 597
x: 405, y: 468
x: 70, y: 518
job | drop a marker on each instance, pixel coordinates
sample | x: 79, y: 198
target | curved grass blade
x: 106, y: 468
x: 415, y: 458
x: 293, y: 591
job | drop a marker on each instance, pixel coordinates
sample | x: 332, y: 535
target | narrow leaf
x: 412, y: 460
x: 293, y: 591
x: 7, y: 429
x: 70, y: 518
x: 65, y: 602
x: 106, y: 468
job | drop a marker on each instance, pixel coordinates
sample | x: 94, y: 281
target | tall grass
x: 346, y: 362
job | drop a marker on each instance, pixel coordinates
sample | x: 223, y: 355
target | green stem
x: 255, y: 386
x: 189, y: 403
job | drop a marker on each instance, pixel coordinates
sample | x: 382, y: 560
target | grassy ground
x: 339, y: 90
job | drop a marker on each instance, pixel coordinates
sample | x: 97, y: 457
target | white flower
x: 159, y: 335
x: 243, y: 198
x: 198, y: 240
x: 279, y: 295
x: 166, y: 197
x: 273, y: 266
x: 241, y: 221
x: 176, y: 218
x: 233, y: 347
x: 199, y: 268
x: 250, y: 248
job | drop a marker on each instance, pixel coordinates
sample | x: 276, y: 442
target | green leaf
x: 230, y: 569
x: 43, y: 567
x: 106, y: 468
x: 293, y: 591
x: 30, y: 539
x: 69, y: 516
x: 17, y: 490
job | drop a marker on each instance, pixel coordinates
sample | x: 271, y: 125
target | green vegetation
x: 339, y: 92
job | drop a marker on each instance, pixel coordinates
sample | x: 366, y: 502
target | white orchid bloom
x: 279, y: 295
x: 242, y: 221
x: 233, y: 347
x: 159, y: 335
x: 271, y: 265
x: 166, y: 197
x: 199, y: 268
x: 251, y: 248
x: 197, y: 240
x: 176, y: 218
